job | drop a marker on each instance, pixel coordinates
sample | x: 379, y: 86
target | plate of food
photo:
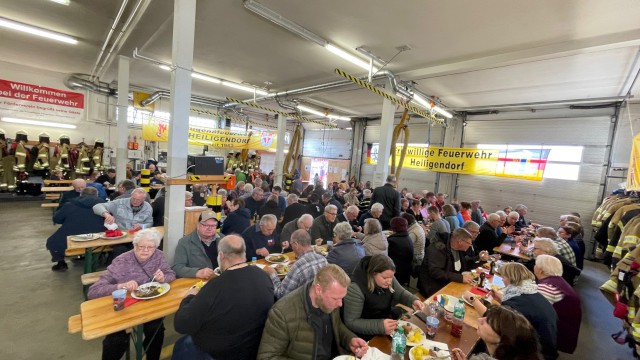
x: 281, y: 269
x: 84, y: 237
x: 421, y: 352
x: 277, y: 258
x: 345, y: 357
x: 414, y: 334
x: 150, y: 290
x: 322, y: 250
x: 113, y: 234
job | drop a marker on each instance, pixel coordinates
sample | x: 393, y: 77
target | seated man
x: 303, y: 270
x: 438, y: 224
x: 303, y: 222
x: 327, y: 199
x: 196, y: 255
x: 261, y: 239
x: 445, y: 261
x: 322, y: 228
x: 78, y: 186
x: 351, y: 216
x: 76, y: 217
x: 219, y: 319
x: 294, y: 209
x: 255, y: 201
x: 306, y: 323
x: 346, y: 251
x: 375, y: 212
x: 125, y: 189
x: 487, y: 238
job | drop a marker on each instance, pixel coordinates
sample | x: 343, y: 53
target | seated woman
x: 507, y: 335
x: 564, y: 249
x: 369, y: 307
x: 567, y: 233
x: 451, y: 216
x: 346, y: 251
x: 401, y: 249
x: 544, y: 246
x: 238, y: 219
x: 127, y: 271
x: 418, y: 239
x: 374, y: 241
x: 564, y: 299
x: 521, y: 294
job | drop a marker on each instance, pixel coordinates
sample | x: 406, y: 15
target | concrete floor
x: 36, y: 302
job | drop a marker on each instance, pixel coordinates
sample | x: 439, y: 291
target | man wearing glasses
x: 445, y: 262
x: 196, y: 253
x: 322, y: 228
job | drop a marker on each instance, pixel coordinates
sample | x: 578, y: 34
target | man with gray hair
x: 255, y: 201
x: 210, y: 316
x: 473, y: 228
x: 375, y: 212
x: 522, y: 211
x: 305, y: 268
x: 389, y: 197
x: 304, y: 222
x: 488, y: 238
x: 351, y: 216
x: 262, y: 239
x: 322, y: 228
x: 476, y: 213
x: 293, y: 209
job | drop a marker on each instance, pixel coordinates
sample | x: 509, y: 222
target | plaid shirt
x: 301, y: 272
x: 565, y: 250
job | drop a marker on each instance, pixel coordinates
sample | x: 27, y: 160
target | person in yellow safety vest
x: 231, y: 162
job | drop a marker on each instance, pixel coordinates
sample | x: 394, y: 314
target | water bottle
x: 254, y: 261
x: 458, y: 318
x: 398, y: 344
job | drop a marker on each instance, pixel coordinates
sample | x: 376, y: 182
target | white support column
x: 184, y: 22
x: 121, y: 115
x: 386, y: 130
x: 282, y: 129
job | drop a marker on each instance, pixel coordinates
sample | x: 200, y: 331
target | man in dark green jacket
x: 306, y: 323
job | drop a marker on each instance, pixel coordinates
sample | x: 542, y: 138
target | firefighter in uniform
x: 231, y: 162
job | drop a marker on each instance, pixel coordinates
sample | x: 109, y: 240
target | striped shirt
x: 301, y: 272
x: 550, y: 292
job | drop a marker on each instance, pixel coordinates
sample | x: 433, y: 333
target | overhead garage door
x: 414, y: 180
x: 547, y: 199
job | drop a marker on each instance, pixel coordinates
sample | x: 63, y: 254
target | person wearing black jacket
x: 76, y: 217
x: 270, y: 207
x: 293, y: 210
x: 401, y: 249
x: 238, y: 219
x: 327, y: 199
x: 389, y: 197
x: 315, y: 208
x: 487, y: 238
x: 445, y: 261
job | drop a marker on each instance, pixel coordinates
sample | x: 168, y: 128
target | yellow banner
x: 450, y: 160
x: 633, y: 175
x: 217, y: 138
x: 140, y: 96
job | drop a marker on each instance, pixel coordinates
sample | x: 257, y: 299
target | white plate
x: 268, y: 258
x: 428, y: 344
x: 85, y: 237
x: 452, y: 301
x: 414, y: 327
x: 103, y: 235
x: 164, y: 286
x: 345, y: 357
x: 281, y: 275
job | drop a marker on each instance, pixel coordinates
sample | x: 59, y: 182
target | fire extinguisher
x: 135, y: 142
x: 129, y: 143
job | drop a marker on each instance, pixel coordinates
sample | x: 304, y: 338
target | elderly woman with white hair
x: 565, y: 301
x: 127, y: 271
x: 346, y: 251
x: 545, y: 246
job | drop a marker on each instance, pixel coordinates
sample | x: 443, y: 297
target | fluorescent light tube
x: 165, y: 67
x: 338, y: 117
x: 38, y: 123
x: 206, y: 78
x: 420, y: 100
x: 62, y: 2
x: 311, y: 111
x: 33, y: 30
x: 443, y: 112
x: 244, y: 88
x: 351, y: 58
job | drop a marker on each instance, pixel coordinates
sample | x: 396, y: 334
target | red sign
x: 41, y: 94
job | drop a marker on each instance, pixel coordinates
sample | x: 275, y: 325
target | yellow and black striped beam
x: 388, y: 96
x: 283, y: 113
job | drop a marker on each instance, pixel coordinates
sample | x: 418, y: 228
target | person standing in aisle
x: 389, y: 197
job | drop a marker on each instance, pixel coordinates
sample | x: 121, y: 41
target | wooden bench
x: 91, y: 278
x: 74, y: 324
x: 51, y: 196
x: 80, y: 252
x: 49, y: 205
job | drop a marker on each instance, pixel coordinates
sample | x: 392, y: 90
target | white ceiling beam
x: 581, y: 46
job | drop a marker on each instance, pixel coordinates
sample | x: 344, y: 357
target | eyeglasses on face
x: 146, y: 248
x: 207, y: 226
x: 330, y: 213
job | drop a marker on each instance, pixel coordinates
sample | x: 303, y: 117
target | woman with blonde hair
x: 521, y: 294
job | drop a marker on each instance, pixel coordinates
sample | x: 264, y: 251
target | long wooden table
x: 469, y: 336
x: 89, y: 263
x: 506, y: 249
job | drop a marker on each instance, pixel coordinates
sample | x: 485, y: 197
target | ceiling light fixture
x: 422, y: 101
x: 33, y: 30
x: 351, y: 58
x: 214, y: 80
x: 320, y: 113
x: 38, y: 123
x: 165, y: 67
x: 245, y: 88
x: 206, y: 78
x: 62, y: 2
